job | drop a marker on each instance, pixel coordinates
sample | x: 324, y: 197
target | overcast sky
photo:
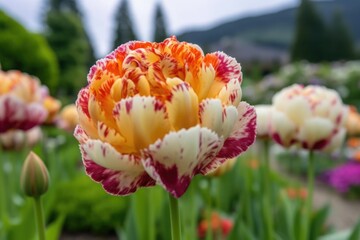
x: 181, y: 15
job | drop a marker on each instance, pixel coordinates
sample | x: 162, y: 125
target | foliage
x: 78, y: 196
x: 310, y: 42
x: 66, y: 35
x: 160, y: 27
x: 344, y: 77
x: 124, y: 27
x: 341, y: 43
x: 25, y: 51
x: 275, y: 29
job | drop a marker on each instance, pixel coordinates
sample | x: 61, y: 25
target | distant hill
x: 274, y: 30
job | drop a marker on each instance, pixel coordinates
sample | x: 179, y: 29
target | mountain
x: 273, y: 31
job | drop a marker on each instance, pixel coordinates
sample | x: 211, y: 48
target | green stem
x: 267, y: 192
x: 39, y: 218
x: 309, y: 200
x: 3, y: 208
x: 175, y: 218
x: 209, y: 210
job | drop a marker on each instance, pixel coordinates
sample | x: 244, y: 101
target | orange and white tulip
x: 353, y: 122
x: 161, y: 113
x: 52, y: 106
x: 68, y: 118
x: 21, y: 97
x: 311, y: 116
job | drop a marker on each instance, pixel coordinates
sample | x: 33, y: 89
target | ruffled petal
x: 182, y: 107
x: 243, y: 133
x: 145, y: 119
x: 175, y: 159
x: 219, y: 118
x: 119, y: 174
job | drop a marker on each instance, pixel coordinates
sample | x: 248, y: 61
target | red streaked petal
x: 175, y: 159
x: 141, y: 120
x: 118, y: 174
x: 226, y: 67
x: 243, y: 134
x: 219, y: 118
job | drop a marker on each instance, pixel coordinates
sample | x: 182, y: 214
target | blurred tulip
x: 224, y: 168
x: 353, y: 122
x: 68, y: 118
x: 254, y: 164
x: 219, y: 225
x: 311, y: 116
x: 18, y: 139
x: 353, y: 142
x: 20, y: 101
x: 263, y: 117
x: 161, y: 113
x: 34, y: 176
x: 52, y: 106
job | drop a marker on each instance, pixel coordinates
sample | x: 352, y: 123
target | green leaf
x: 318, y: 221
x: 355, y: 235
x: 53, y: 231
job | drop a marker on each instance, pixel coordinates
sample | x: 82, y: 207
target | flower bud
x: 34, y: 176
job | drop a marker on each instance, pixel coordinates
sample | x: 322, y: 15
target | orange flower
x: 296, y: 193
x: 356, y: 156
x: 254, y: 164
x: 68, y: 118
x: 353, y: 121
x: 353, y: 142
x: 52, y: 106
x: 218, y: 225
x: 21, y: 97
x: 160, y: 113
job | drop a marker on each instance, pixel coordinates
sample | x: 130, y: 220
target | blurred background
x: 277, y: 42
x: 58, y: 40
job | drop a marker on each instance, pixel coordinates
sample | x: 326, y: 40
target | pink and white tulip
x: 311, y: 116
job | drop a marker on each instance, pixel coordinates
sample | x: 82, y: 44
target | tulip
x: 20, y: 101
x: 68, y: 118
x: 311, y: 116
x: 18, y: 139
x: 217, y: 224
x: 52, y: 106
x: 161, y: 113
x: 353, y: 122
x: 263, y: 116
x: 34, y: 183
x: 34, y: 176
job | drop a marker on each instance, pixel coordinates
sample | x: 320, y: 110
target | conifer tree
x: 66, y: 34
x: 160, y: 28
x: 124, y: 28
x: 341, y: 43
x: 310, y: 42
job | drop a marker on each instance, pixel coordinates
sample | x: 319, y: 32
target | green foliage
x: 88, y: 208
x: 160, y: 28
x: 124, y: 28
x: 310, y: 42
x: 27, y: 52
x: 341, y: 43
x: 66, y: 35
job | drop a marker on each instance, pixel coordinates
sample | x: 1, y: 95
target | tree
x: 27, y: 52
x: 66, y: 35
x: 160, y: 27
x: 310, y: 42
x: 341, y: 43
x: 124, y: 31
